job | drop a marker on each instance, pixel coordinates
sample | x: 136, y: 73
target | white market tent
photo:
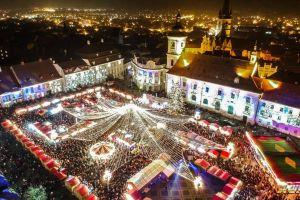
x: 147, y: 174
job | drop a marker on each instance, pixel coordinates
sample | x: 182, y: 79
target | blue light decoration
x: 194, y: 168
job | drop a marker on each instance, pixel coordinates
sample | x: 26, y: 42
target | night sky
x: 281, y: 7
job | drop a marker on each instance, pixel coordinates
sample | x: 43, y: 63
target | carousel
x: 102, y: 151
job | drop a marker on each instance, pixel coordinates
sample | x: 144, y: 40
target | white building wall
x: 279, y: 117
x: 116, y: 69
x: 148, y: 79
x: 231, y: 102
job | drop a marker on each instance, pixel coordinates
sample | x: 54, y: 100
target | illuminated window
x: 232, y: 95
x: 219, y: 92
x: 218, y: 105
x: 230, y: 110
x: 247, y: 108
x: 194, y: 98
x: 172, y: 45
x: 207, y: 89
x: 248, y: 101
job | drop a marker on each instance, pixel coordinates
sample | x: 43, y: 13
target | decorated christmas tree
x: 176, y: 102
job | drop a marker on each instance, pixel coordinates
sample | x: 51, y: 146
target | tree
x: 176, y: 102
x: 36, y: 193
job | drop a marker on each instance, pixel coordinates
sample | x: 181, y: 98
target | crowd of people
x: 257, y: 182
x: 208, y: 134
x: 21, y: 168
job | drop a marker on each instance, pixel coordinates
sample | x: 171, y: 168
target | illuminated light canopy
x: 274, y: 84
x: 161, y: 126
x: 107, y: 176
x: 198, y: 182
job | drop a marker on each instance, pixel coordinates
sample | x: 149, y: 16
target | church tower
x: 225, y: 20
x: 254, y: 54
x: 176, y: 42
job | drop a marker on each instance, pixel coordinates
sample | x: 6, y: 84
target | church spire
x: 178, y: 26
x: 225, y: 12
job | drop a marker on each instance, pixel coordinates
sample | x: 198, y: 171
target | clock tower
x: 176, y: 42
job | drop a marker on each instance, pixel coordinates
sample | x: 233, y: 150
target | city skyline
x: 267, y: 7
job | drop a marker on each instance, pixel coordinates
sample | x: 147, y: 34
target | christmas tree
x: 176, y: 102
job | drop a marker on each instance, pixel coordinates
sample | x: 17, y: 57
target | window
x: 218, y: 105
x: 279, y: 117
x: 272, y: 107
x: 281, y: 109
x: 172, y: 45
x: 195, y: 86
x: 291, y: 112
x: 248, y: 100
x: 232, y: 95
x: 184, y: 84
x: 247, y: 108
x: 230, y: 110
x: 172, y: 62
x: 207, y: 89
x: 194, y: 98
x: 205, y: 101
x: 219, y: 92
x: 182, y: 44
